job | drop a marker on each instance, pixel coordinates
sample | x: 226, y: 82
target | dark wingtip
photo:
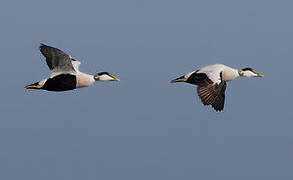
x: 219, y: 110
x: 218, y: 107
x: 42, y: 46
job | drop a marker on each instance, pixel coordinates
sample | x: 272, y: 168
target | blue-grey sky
x: 143, y: 127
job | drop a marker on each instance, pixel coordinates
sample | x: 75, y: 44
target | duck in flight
x: 211, y: 82
x: 65, y: 74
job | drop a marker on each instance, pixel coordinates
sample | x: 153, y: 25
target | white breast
x: 84, y: 80
x: 230, y: 74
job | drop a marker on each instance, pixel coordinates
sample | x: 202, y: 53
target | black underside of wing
x: 219, y: 102
x: 56, y: 59
x: 62, y: 82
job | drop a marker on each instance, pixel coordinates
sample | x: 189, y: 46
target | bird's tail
x: 33, y: 86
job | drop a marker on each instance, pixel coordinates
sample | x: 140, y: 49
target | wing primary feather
x: 57, y: 60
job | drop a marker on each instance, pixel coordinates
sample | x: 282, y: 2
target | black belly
x: 62, y: 82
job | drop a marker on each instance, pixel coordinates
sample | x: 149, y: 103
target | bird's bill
x: 258, y: 74
x: 114, y: 78
x: 180, y: 79
x: 33, y: 86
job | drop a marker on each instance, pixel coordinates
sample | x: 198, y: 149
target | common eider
x: 211, y: 82
x: 65, y: 74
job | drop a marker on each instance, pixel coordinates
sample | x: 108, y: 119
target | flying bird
x: 65, y: 74
x: 211, y: 82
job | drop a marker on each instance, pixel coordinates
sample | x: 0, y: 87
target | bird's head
x: 105, y: 76
x: 249, y: 72
x: 37, y: 85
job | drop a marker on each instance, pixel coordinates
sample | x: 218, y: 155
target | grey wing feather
x: 56, y: 59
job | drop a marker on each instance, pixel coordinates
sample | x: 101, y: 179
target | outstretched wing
x: 211, y: 90
x: 57, y: 60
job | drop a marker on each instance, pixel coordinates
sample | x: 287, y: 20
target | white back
x: 213, y: 72
x: 75, y: 65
